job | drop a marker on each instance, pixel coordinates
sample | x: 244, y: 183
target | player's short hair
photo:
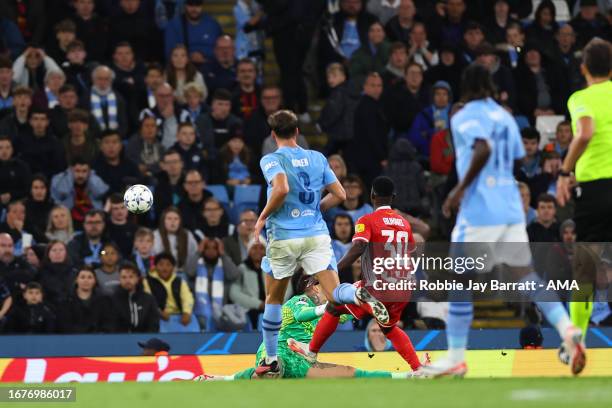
x: 476, y: 83
x: 144, y: 232
x: 284, y: 124
x: 165, y: 255
x: 597, y: 57
x: 383, y: 186
x: 530, y: 133
x: 546, y: 198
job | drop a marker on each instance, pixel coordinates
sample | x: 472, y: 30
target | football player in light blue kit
x: 487, y: 142
x: 297, y: 234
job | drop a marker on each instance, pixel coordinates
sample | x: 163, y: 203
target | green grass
x: 496, y: 393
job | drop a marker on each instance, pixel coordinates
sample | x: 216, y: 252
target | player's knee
x: 274, y: 299
x: 331, y: 308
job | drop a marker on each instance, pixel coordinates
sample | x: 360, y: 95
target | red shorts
x: 395, y: 310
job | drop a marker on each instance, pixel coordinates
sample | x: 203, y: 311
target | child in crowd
x: 143, y: 255
x: 188, y: 147
x: 107, y: 274
x: 33, y: 316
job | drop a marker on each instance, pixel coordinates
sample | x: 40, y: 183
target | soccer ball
x: 138, y: 199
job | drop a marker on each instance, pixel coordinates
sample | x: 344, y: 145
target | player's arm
x: 357, y: 249
x: 361, y: 238
x: 584, y: 133
x: 277, y: 178
x: 304, y: 313
x: 335, y: 197
x: 280, y: 190
x: 480, y: 156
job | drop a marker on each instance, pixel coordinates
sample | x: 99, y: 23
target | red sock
x: 325, y: 328
x: 402, y: 344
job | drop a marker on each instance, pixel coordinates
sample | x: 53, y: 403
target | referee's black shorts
x: 593, y: 212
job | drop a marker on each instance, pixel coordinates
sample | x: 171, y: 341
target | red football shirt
x: 388, y: 235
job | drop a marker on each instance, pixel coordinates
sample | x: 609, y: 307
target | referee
x: 588, y: 166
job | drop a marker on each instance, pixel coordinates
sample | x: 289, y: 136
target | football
x: 138, y: 199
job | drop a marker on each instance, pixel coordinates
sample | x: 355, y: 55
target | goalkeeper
x: 300, y: 315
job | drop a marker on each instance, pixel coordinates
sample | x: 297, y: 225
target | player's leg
x: 346, y: 293
x: 461, y: 308
x: 515, y: 253
x: 403, y: 345
x: 318, y: 259
x: 329, y: 370
x: 279, y: 264
x: 247, y: 374
x: 323, y: 331
x: 271, y: 322
x: 585, y: 264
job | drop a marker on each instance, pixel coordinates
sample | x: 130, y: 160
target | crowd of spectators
x: 96, y: 95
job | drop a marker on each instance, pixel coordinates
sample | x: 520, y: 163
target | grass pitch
x: 497, y: 393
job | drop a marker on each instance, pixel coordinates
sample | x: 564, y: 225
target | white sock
x: 401, y: 376
x: 269, y: 359
x: 456, y: 355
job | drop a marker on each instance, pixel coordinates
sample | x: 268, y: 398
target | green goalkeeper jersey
x: 294, y: 323
x: 299, y: 320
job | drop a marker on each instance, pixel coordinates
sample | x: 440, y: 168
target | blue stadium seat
x: 245, y: 198
x: 219, y: 191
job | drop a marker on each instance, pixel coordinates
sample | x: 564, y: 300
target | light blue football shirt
x: 307, y: 174
x: 493, y: 198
